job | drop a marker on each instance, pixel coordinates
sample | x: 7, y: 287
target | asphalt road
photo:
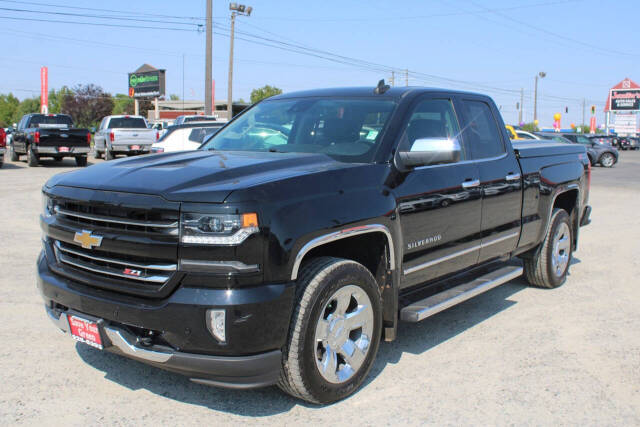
x: 515, y: 355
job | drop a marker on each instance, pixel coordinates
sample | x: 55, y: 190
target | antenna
x: 381, y: 88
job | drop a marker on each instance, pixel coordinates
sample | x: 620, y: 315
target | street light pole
x: 236, y: 9
x: 542, y: 75
x: 208, y: 68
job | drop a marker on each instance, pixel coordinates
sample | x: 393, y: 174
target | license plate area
x: 85, y: 331
x: 135, y: 147
x: 63, y: 149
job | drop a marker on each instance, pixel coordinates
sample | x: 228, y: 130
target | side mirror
x: 427, y: 152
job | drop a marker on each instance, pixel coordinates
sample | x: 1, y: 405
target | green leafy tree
x: 530, y: 127
x: 8, y: 108
x: 57, y: 97
x: 264, y: 92
x: 87, y: 105
x: 27, y: 106
x: 122, y: 104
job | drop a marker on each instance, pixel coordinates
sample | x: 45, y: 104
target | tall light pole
x: 208, y: 68
x: 542, y: 75
x: 236, y: 9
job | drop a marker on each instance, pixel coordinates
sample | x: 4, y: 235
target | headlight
x: 47, y: 206
x: 212, y: 229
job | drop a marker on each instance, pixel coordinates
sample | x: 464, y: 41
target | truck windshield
x: 127, y: 123
x: 54, y: 119
x: 348, y: 130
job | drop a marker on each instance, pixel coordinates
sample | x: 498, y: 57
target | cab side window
x: 431, y: 119
x: 482, y: 132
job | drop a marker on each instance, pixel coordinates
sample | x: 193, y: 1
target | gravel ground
x: 515, y: 355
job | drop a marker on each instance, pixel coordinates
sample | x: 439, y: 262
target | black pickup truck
x: 50, y: 135
x: 298, y: 237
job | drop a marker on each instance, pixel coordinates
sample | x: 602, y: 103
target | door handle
x: 513, y: 177
x: 471, y: 184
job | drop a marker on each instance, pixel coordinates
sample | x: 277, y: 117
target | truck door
x: 439, y: 206
x: 500, y: 178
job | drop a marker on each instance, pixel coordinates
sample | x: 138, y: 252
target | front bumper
x: 257, y: 326
x: 55, y: 150
x: 233, y: 372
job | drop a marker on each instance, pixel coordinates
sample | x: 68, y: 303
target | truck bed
x: 536, y: 148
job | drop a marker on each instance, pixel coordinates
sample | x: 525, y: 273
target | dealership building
x: 622, y: 108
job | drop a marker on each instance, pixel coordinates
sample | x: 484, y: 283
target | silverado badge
x: 87, y: 240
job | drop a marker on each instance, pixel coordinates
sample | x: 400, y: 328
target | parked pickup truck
x: 49, y: 135
x: 128, y: 135
x: 300, y: 235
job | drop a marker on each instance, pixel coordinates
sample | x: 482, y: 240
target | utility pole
x: 583, y: 107
x: 208, y: 68
x: 236, y: 9
x: 393, y: 78
x: 542, y: 75
x: 406, y: 77
x: 521, y: 106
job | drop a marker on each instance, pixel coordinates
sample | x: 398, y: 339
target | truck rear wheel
x: 14, y: 155
x: 96, y: 153
x: 81, y: 161
x: 32, y: 158
x: 550, y: 263
x: 334, y: 333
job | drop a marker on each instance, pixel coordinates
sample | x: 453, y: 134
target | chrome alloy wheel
x: 343, y: 334
x: 561, y: 249
x: 607, y: 160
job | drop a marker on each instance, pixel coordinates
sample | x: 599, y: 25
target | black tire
x: 32, y: 158
x: 539, y: 269
x: 81, y: 161
x: 14, y: 155
x: 607, y: 160
x: 57, y: 159
x: 319, y: 282
x: 108, y: 155
x: 97, y: 154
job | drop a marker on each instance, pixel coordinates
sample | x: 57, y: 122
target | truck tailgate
x: 134, y: 136
x: 63, y: 137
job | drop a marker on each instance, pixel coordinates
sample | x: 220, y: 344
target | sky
x: 488, y: 46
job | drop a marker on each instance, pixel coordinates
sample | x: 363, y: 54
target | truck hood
x: 195, y: 176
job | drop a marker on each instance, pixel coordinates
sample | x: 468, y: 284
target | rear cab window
x: 127, y: 123
x: 482, y: 132
x: 53, y: 120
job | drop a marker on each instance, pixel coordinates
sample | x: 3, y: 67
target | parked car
x: 129, y: 135
x: 512, y: 132
x: 50, y: 135
x: 9, y: 134
x: 604, y: 139
x: 185, y: 137
x: 3, y: 145
x: 523, y: 134
x: 180, y: 120
x: 631, y: 143
x: 253, y: 261
x: 598, y: 153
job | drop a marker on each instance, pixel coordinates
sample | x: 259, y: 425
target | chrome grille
x: 114, y: 266
x: 118, y: 218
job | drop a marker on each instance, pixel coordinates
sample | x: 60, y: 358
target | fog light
x: 216, y: 324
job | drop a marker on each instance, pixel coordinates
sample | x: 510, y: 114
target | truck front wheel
x: 334, y: 333
x: 548, y: 266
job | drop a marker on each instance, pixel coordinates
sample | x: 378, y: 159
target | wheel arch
x: 370, y: 245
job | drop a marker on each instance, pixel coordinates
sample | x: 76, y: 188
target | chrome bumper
x: 127, y: 148
x: 118, y: 337
x: 54, y: 150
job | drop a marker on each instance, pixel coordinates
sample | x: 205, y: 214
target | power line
x: 100, y: 24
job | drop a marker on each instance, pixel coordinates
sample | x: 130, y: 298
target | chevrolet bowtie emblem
x: 87, y: 240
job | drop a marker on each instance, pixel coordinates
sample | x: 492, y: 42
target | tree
x: 264, y: 92
x: 122, y: 104
x: 27, y: 106
x: 8, y: 107
x: 87, y: 105
x: 56, y: 99
x: 530, y: 127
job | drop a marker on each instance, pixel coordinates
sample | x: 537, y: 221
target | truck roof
x: 368, y: 91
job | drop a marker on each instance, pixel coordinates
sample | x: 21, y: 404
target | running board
x: 427, y: 307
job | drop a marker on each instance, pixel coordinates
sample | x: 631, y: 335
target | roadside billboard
x: 624, y: 100
x: 147, y: 84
